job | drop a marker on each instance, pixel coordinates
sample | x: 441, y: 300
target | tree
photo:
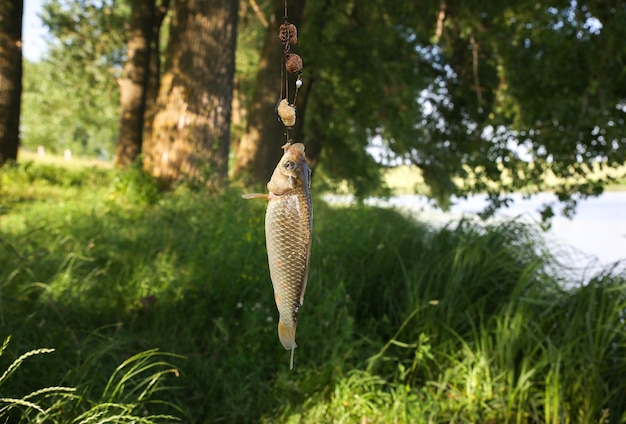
x: 154, y: 72
x: 77, y: 78
x: 482, y: 96
x: 363, y: 62
x: 259, y: 151
x: 10, y: 77
x: 358, y: 65
x: 488, y: 97
x: 133, y: 83
x: 524, y: 91
x: 191, y: 128
x: 137, y: 84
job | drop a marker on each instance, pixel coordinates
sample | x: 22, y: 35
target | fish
x: 288, y: 228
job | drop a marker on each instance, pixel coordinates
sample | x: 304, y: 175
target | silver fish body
x: 288, y: 226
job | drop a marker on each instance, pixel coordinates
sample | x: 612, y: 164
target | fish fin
x: 255, y: 196
x: 287, y: 336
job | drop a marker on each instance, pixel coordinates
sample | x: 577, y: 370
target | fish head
x: 291, y: 172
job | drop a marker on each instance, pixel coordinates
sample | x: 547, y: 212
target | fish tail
x: 287, y: 336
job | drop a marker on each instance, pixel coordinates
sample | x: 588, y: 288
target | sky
x: 33, y: 32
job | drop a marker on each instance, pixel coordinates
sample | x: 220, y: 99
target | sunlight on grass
x: 59, y: 160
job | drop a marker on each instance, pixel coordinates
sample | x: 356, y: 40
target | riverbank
x: 595, y: 238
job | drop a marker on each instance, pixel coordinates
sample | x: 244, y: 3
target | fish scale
x: 287, y: 235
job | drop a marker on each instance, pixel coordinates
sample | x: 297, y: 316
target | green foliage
x: 71, y: 97
x: 401, y: 321
x: 32, y: 404
x: 492, y: 94
x: 130, y: 389
x: 491, y: 97
x: 62, y: 111
x: 136, y: 185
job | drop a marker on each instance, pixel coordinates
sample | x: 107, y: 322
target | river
x: 594, y: 239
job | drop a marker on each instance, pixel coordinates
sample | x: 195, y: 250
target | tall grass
x: 402, y: 322
x: 484, y: 334
x: 130, y: 389
x: 38, y: 403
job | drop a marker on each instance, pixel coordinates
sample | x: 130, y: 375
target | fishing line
x: 288, y: 220
x: 290, y: 63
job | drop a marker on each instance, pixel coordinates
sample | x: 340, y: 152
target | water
x: 593, y: 240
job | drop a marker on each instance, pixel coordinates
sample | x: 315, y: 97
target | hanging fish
x: 288, y: 224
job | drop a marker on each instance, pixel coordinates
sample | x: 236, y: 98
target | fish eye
x: 290, y: 165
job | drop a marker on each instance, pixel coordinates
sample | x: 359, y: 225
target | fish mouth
x: 296, y: 149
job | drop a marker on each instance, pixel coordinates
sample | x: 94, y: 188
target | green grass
x: 124, y: 304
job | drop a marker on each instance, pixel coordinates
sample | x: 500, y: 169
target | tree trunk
x: 10, y: 77
x: 133, y: 83
x: 259, y: 150
x: 154, y: 74
x: 191, y: 129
